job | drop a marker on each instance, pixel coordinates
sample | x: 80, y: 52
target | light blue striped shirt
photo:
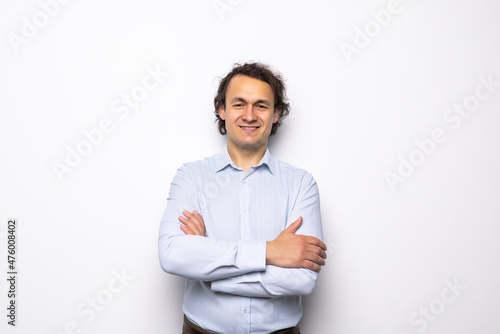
x: 229, y: 288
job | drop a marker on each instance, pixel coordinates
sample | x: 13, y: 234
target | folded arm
x: 197, y: 257
x: 292, y: 260
x: 293, y: 265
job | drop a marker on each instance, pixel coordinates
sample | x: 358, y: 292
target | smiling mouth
x: 249, y: 127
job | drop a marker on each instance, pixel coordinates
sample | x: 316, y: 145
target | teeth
x: 249, y: 127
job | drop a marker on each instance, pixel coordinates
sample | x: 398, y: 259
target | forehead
x: 242, y: 86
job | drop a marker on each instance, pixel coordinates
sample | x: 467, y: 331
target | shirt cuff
x: 252, y: 256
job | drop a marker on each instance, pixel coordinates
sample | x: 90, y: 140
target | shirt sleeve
x: 196, y: 257
x: 277, y: 281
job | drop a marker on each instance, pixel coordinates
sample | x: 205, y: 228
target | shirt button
x: 245, y: 310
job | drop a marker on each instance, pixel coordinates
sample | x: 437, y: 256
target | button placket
x: 244, y: 210
x: 245, y: 236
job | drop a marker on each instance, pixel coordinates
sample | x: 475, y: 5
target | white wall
x: 359, y: 104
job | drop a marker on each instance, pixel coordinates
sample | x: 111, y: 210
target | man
x: 243, y: 227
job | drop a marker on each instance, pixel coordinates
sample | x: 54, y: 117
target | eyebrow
x: 240, y: 99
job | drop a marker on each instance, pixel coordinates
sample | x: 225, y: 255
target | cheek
x: 231, y: 118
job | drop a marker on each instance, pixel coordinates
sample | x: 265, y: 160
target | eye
x: 262, y: 106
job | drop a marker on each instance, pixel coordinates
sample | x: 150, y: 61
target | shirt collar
x: 223, y: 159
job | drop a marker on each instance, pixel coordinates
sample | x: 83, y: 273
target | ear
x: 276, y: 116
x: 221, y: 112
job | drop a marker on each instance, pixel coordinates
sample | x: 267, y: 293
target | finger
x: 188, y: 214
x: 316, y: 242
x: 195, y: 217
x: 190, y: 229
x: 198, y: 216
x: 184, y: 220
x: 196, y: 226
x: 294, y: 226
x: 190, y: 218
x: 315, y: 258
x: 199, y: 219
x: 322, y: 245
x: 186, y: 230
x: 316, y: 250
x: 323, y: 254
x: 311, y: 266
x: 189, y: 223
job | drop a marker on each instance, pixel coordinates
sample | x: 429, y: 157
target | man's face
x: 249, y: 113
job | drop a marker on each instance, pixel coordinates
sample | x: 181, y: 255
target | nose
x: 249, y: 114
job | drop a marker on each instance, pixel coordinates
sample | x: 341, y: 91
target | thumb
x: 294, y: 226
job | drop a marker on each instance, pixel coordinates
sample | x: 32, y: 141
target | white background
x: 391, y: 250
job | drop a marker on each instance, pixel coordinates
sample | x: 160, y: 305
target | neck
x: 244, y: 158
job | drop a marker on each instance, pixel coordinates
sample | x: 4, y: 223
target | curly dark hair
x: 258, y: 71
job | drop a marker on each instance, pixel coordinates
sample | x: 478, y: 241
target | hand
x: 192, y: 224
x: 290, y: 250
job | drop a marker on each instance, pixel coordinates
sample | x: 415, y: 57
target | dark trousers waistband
x: 189, y: 328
